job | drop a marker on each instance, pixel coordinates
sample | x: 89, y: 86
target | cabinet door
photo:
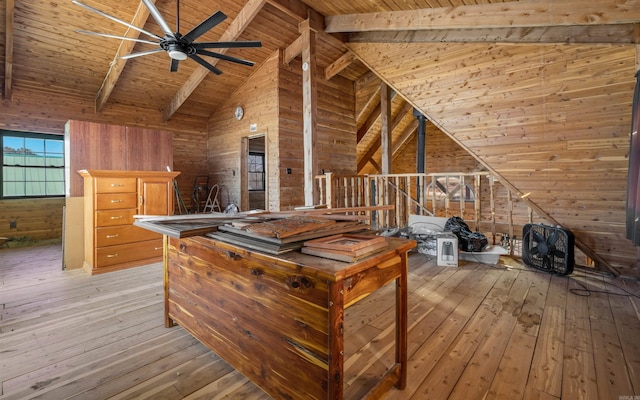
x: 155, y: 196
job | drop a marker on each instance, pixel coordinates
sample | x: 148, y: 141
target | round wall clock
x: 239, y: 113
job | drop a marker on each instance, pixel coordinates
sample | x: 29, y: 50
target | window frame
x: 31, y: 135
x: 250, y: 171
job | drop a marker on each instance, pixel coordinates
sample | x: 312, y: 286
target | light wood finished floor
x: 476, y: 332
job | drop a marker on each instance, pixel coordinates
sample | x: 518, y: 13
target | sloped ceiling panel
x: 551, y: 120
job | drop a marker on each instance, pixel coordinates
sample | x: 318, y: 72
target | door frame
x: 244, y: 171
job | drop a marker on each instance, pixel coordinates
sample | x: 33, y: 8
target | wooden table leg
x: 336, y: 341
x: 401, y: 323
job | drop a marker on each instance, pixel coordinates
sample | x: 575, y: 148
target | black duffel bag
x: 467, y: 240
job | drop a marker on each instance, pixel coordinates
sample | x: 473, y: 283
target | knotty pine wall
x: 272, y: 100
x: 336, y: 144
x: 41, y: 219
x: 550, y: 120
x: 259, y: 98
x: 36, y: 219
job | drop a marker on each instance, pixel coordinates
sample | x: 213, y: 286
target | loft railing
x: 442, y: 194
x: 478, y: 198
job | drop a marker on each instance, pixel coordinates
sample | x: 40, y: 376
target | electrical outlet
x: 13, y: 224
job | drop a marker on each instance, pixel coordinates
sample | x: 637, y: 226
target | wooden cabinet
x: 111, y: 199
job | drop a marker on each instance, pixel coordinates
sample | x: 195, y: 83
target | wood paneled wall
x: 36, y: 219
x: 258, y: 97
x: 551, y: 120
x: 272, y: 100
x: 92, y: 145
x: 32, y: 111
x: 336, y: 145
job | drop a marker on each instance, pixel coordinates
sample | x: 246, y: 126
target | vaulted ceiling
x: 539, y: 92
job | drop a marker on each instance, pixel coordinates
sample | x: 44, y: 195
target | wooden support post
x: 447, y: 198
x: 385, y: 132
x: 433, y: 194
x: 493, y: 207
x: 510, y: 217
x: 476, y: 201
x: 463, y: 195
x: 309, y: 107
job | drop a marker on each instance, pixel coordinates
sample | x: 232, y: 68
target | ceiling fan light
x: 176, y: 53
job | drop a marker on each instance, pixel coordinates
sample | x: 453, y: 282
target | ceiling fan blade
x: 142, y: 53
x: 204, y: 26
x: 225, y: 57
x: 153, y: 10
x: 226, y: 45
x: 174, y: 65
x: 205, y: 64
x: 116, y: 37
x: 95, y: 10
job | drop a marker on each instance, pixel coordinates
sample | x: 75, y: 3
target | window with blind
x: 32, y: 165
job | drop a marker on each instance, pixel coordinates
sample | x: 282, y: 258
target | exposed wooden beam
x: 8, y: 50
x: 293, y: 8
x: 373, y: 99
x: 369, y: 122
x: 492, y: 15
x: 408, y: 132
x: 293, y: 50
x: 372, y: 118
x: 118, y: 64
x: 375, y: 165
x: 375, y: 145
x: 339, y: 65
x: 620, y: 34
x: 237, y: 26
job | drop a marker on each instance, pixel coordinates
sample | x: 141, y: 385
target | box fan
x: 548, y: 248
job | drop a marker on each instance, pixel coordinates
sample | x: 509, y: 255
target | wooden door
x: 155, y: 196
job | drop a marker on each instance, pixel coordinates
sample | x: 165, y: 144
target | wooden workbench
x: 279, y: 319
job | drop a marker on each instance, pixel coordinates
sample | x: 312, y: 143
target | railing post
x: 329, y: 189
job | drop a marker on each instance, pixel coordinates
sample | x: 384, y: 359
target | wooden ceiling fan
x: 179, y: 47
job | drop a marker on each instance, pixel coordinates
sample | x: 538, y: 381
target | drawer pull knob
x: 158, y: 248
x: 117, y: 185
x: 117, y: 201
x: 112, y: 236
x: 112, y: 255
x: 118, y: 217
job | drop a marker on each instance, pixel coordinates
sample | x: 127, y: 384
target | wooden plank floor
x: 476, y: 332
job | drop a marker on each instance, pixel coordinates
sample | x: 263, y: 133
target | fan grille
x: 548, y: 248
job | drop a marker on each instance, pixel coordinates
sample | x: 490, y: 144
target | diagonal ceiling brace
x: 117, y: 65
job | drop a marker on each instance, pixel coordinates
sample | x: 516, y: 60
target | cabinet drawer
x: 115, y: 185
x: 114, y: 201
x: 115, y: 217
x: 122, y: 253
x: 113, y: 235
